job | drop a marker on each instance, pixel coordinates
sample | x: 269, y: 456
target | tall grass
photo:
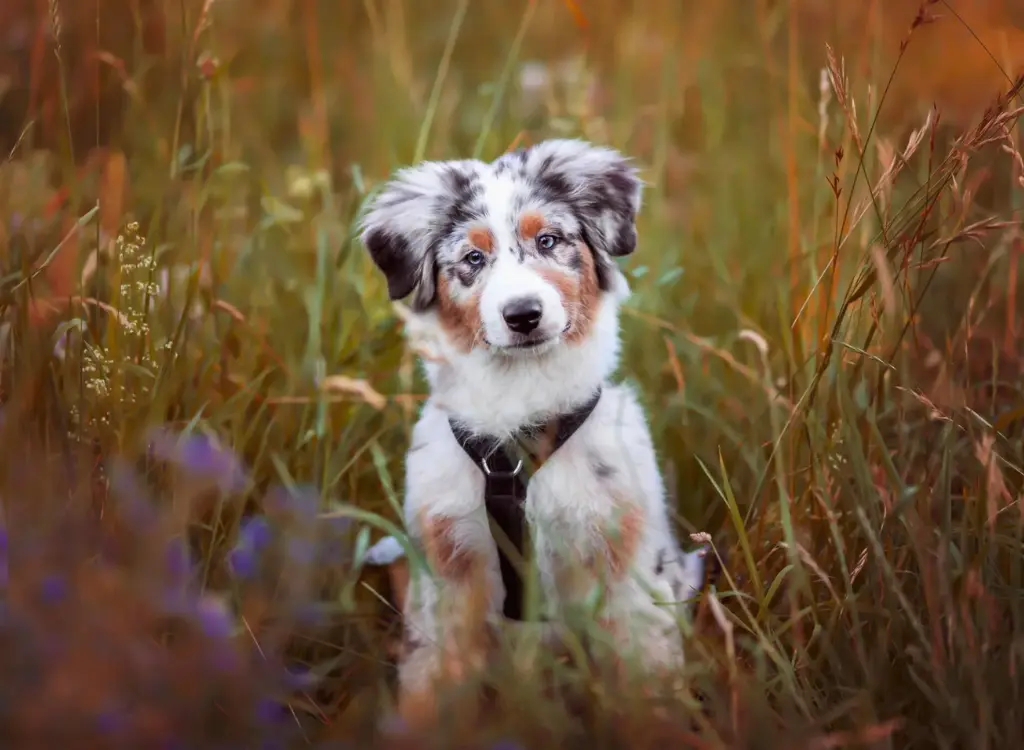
x: 206, y: 397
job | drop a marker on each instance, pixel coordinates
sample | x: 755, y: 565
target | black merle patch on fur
x: 460, y: 182
x: 612, y: 196
x: 603, y: 266
x: 677, y: 589
x: 460, y: 203
x: 398, y: 195
x: 576, y: 260
x: 601, y: 469
x: 553, y: 186
x: 425, y: 291
x: 512, y: 160
x: 518, y: 204
x: 464, y: 273
x: 625, y: 243
x: 391, y: 253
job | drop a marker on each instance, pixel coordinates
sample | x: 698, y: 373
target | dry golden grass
x: 196, y: 355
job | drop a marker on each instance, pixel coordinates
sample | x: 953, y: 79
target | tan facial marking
x: 459, y: 318
x: 481, y: 238
x: 580, y: 294
x: 530, y: 224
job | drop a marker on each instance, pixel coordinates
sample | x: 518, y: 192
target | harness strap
x: 505, y: 479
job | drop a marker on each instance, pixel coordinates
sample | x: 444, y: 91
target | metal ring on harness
x: 513, y: 473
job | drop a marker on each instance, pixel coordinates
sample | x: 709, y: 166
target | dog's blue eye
x: 547, y: 241
x: 475, y: 258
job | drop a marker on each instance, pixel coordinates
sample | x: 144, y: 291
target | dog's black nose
x: 522, y: 315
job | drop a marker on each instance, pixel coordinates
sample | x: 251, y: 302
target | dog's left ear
x: 601, y: 185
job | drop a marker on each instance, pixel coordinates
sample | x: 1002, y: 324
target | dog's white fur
x: 604, y: 483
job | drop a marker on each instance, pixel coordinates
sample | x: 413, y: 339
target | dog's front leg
x: 453, y: 601
x: 599, y: 558
x: 591, y: 554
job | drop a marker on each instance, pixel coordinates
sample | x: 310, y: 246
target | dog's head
x: 513, y: 256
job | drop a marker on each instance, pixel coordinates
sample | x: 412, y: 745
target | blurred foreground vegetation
x: 205, y: 399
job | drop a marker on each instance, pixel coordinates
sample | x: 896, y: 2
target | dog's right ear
x: 409, y: 217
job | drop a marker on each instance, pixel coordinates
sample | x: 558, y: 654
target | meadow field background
x: 205, y: 397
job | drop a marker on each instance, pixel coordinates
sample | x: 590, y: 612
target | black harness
x: 505, y: 484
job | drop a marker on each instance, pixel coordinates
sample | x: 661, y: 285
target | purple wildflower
x: 54, y: 588
x: 110, y: 721
x: 269, y: 711
x: 243, y: 562
x: 253, y: 536
x: 299, y: 678
x: 214, y: 618
x: 201, y: 457
x: 131, y: 494
x: 255, y: 532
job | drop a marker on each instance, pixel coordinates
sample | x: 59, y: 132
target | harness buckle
x: 501, y: 474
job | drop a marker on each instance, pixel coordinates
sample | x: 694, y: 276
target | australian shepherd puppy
x: 511, y: 266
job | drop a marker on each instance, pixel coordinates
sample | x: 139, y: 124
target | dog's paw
x: 385, y: 552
